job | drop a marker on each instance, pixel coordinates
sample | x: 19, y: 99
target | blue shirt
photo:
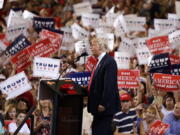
x: 174, y: 128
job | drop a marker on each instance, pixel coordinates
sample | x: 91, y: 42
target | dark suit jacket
x: 103, y: 89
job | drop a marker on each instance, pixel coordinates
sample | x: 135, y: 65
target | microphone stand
x: 29, y: 115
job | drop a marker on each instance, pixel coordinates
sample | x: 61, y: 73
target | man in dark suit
x: 103, y: 100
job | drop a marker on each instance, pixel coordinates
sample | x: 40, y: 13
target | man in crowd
x: 103, y: 101
x: 125, y: 120
x: 173, y: 119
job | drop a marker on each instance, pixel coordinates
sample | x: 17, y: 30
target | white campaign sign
x: 91, y: 20
x: 15, y: 85
x: 84, y: 7
x: 46, y: 67
x: 161, y: 24
x: 174, y: 38
x: 1, y: 4
x: 175, y: 18
x: 143, y: 54
x: 177, y: 3
x: 122, y: 59
x: 78, y: 32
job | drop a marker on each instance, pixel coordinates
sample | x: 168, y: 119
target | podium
x: 67, y: 107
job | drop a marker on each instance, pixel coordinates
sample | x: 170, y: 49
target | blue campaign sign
x: 41, y: 22
x: 19, y: 44
x: 175, y: 69
x: 160, y: 62
x: 81, y: 78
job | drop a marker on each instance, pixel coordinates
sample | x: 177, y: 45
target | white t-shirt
x: 165, y: 111
x: 13, y: 126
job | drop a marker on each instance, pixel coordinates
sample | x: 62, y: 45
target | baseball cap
x: 125, y: 97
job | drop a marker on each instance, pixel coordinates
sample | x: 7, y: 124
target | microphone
x: 82, y: 55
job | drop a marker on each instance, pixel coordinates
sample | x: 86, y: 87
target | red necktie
x: 90, y: 81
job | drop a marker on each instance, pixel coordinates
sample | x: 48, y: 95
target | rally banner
x: 166, y: 82
x: 120, y: 25
x: 122, y: 59
x: 78, y: 32
x: 82, y: 46
x: 128, y: 78
x: 104, y: 27
x: 177, y: 6
x: 174, y: 59
x: 91, y: 62
x: 19, y: 44
x: 90, y: 20
x: 107, y: 38
x: 81, y: 78
x: 22, y: 60
x: 143, y: 55
x: 160, y: 24
x: 159, y: 45
x: 43, y: 49
x: 83, y: 7
x: 126, y: 45
x: 55, y: 38
x: 161, y: 61
x: 135, y: 23
x: 175, y: 18
x: 41, y: 22
x: 175, y: 69
x: 46, y: 67
x: 15, y: 85
x: 15, y: 30
x: 158, y: 128
x: 174, y: 38
x: 1, y: 4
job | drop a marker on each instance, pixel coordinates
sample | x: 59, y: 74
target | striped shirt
x: 124, y: 121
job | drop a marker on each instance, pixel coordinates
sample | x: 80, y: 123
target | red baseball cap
x: 125, y: 97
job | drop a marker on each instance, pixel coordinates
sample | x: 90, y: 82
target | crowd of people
x: 139, y: 107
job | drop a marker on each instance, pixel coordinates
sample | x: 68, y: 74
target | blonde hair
x: 103, y: 46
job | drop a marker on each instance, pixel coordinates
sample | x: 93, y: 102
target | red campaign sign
x: 174, y: 59
x: 55, y: 38
x: 42, y: 49
x: 166, y: 82
x: 158, y: 45
x: 128, y: 78
x: 158, y: 128
x: 90, y: 63
x: 21, y: 60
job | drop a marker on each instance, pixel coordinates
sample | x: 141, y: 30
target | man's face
x: 177, y: 109
x: 95, y: 49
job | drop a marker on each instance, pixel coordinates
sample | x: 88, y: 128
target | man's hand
x: 101, y: 108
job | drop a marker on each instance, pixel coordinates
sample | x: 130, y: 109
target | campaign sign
x: 15, y: 85
x: 174, y: 59
x: 158, y: 128
x: 43, y: 48
x: 21, y: 60
x: 55, y: 38
x: 91, y: 20
x: 122, y: 59
x: 175, y: 69
x: 161, y: 24
x: 166, y: 82
x: 160, y: 61
x: 128, y: 78
x: 174, y: 38
x: 46, y: 67
x: 81, y: 78
x: 143, y: 55
x: 78, y: 32
x: 1, y: 4
x: 19, y: 44
x: 90, y: 63
x: 83, y: 7
x: 159, y: 44
x: 40, y: 23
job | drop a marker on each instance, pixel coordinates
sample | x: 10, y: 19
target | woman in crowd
x: 10, y: 112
